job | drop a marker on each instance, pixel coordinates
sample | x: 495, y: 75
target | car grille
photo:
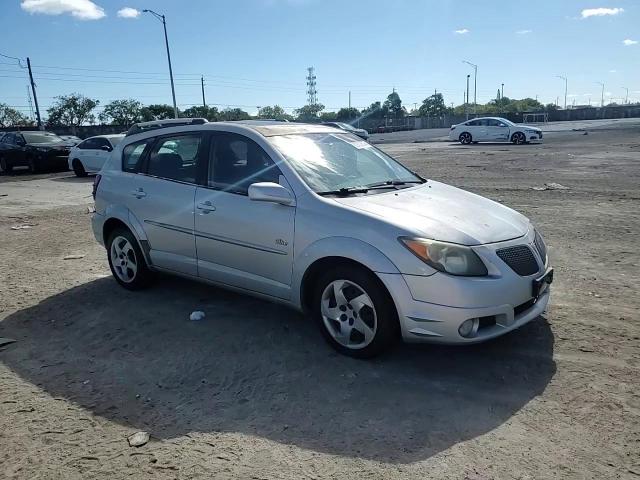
x: 520, y: 258
x: 541, y: 247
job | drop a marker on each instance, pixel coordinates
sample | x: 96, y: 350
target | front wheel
x: 518, y: 138
x: 126, y: 261
x: 355, y: 312
x: 465, y: 138
x: 78, y: 168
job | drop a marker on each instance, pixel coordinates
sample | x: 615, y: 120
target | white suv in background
x: 493, y: 129
x: 89, y: 155
x: 320, y: 220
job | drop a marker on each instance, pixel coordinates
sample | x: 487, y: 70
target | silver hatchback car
x: 321, y: 220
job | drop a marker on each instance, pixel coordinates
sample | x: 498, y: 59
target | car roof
x: 271, y: 129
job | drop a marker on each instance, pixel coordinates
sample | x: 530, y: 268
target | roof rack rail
x: 170, y: 122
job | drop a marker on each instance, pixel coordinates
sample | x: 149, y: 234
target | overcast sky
x: 256, y: 52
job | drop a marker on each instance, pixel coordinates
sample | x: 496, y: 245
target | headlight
x: 531, y: 131
x: 446, y: 257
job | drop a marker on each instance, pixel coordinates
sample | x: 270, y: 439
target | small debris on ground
x: 196, y: 316
x: 22, y: 227
x: 551, y: 186
x: 138, y: 439
x: 6, y: 341
x: 73, y: 257
x: 91, y: 209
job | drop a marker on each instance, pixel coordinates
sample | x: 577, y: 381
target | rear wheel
x: 78, y: 168
x: 5, y: 166
x: 355, y: 312
x: 465, y: 138
x: 126, y: 261
x: 518, y: 138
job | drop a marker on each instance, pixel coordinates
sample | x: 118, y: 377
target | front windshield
x: 330, y: 162
x: 37, y: 137
x: 346, y: 126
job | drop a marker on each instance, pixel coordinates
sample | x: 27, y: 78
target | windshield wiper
x: 393, y: 183
x: 345, y: 191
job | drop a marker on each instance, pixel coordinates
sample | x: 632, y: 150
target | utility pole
x: 466, y: 104
x: 475, y: 86
x: 204, y: 103
x: 565, y: 89
x: 35, y: 97
x: 166, y: 41
x: 602, y: 97
x: 349, y: 99
x: 502, y: 91
x: 312, y: 92
x: 626, y: 98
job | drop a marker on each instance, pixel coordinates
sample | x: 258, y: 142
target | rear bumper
x: 97, y: 225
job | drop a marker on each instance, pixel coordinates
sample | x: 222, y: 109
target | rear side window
x: 175, y: 158
x: 132, y: 156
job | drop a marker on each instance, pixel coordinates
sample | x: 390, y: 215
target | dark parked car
x: 36, y: 150
x: 71, y: 139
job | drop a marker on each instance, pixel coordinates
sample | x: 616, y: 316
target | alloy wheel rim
x: 123, y: 259
x: 348, y: 314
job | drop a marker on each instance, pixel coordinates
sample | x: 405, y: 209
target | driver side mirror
x: 270, y: 192
x: 106, y: 148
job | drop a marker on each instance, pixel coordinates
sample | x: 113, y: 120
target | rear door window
x: 175, y: 157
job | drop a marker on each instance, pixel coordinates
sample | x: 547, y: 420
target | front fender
x: 347, y: 247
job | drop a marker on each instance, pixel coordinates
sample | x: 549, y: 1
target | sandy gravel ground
x: 253, y: 392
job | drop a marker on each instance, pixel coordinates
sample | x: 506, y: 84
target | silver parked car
x: 319, y: 219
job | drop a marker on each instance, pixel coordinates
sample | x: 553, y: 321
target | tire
x: 78, y: 168
x: 357, y: 325
x: 518, y: 138
x: 5, y: 167
x: 33, y: 166
x: 465, y: 138
x: 126, y: 261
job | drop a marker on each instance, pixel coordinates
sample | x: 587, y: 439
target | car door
x: 161, y: 197
x: 494, y: 130
x: 102, y: 152
x: 473, y: 127
x: 242, y: 242
x: 86, y: 154
x: 17, y: 153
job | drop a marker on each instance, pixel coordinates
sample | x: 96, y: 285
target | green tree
x: 392, y: 106
x: 122, y: 112
x: 276, y: 113
x: 200, y: 111
x: 232, y: 114
x: 72, y: 110
x: 309, y: 113
x: 433, y: 106
x: 156, y: 112
x: 347, y: 114
x: 328, y: 117
x: 10, y: 117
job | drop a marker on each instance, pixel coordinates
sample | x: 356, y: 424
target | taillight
x: 96, y: 182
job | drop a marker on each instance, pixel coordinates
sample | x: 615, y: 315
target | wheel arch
x: 117, y: 219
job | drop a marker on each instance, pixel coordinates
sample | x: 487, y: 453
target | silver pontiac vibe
x: 317, y: 218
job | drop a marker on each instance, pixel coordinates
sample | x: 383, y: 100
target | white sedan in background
x: 493, y: 129
x: 89, y: 155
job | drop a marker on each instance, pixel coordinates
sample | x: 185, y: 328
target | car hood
x: 530, y: 127
x: 441, y: 212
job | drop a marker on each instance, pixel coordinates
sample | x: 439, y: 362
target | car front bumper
x: 432, y: 308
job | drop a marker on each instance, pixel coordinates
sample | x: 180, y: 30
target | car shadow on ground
x: 261, y: 369
x: 72, y: 178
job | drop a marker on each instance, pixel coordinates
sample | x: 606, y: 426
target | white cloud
x: 128, y: 12
x: 607, y: 94
x: 627, y: 42
x: 600, y: 12
x: 81, y: 9
x: 462, y: 31
x: 523, y: 32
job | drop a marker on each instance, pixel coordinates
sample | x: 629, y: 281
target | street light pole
x: 466, y: 105
x: 602, y: 98
x: 565, y: 89
x: 166, y: 41
x: 475, y: 85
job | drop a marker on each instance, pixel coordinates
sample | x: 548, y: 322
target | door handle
x: 140, y: 193
x: 206, y: 207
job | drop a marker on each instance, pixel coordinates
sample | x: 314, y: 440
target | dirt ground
x: 253, y: 391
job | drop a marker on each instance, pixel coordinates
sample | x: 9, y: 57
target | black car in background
x: 37, y: 150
